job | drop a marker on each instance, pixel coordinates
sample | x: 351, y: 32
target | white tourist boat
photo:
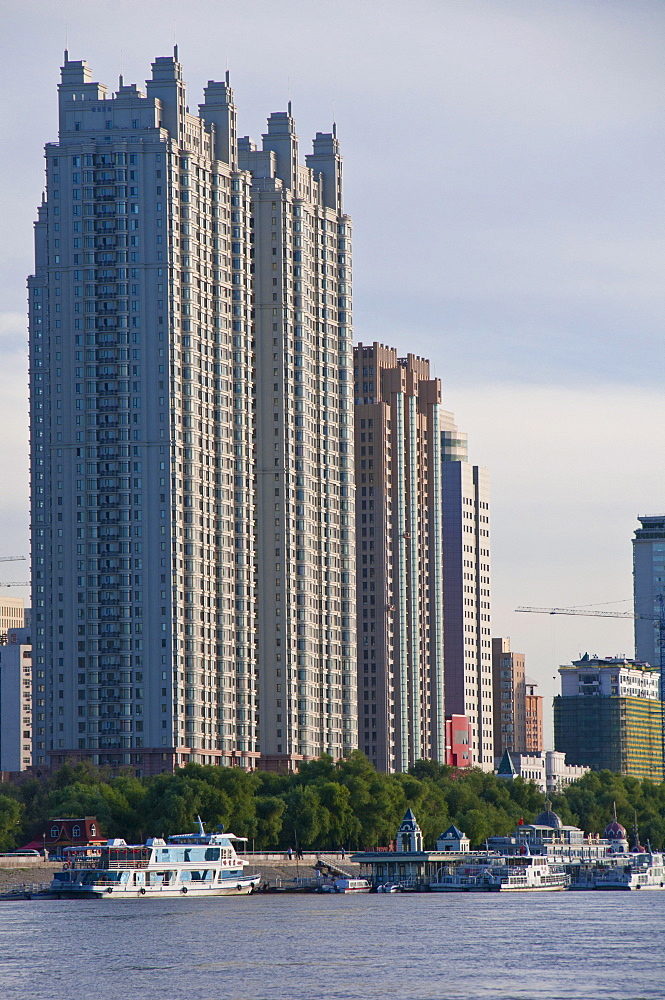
x: 522, y: 873
x: 194, y: 864
x: 644, y: 870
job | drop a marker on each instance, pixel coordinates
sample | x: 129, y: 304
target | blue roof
x: 506, y: 766
x: 452, y: 831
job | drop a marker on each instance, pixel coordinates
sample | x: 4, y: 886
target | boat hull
x: 243, y: 887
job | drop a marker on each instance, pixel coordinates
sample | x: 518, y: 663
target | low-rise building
x: 410, y: 864
x: 61, y: 833
x: 547, y: 769
x: 567, y: 844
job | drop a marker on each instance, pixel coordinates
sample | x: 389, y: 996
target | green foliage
x: 325, y: 805
x: 10, y: 817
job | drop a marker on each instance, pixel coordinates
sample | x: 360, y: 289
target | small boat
x: 644, y: 870
x: 346, y: 885
x: 389, y: 887
x: 195, y: 864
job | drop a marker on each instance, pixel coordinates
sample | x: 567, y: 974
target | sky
x: 503, y: 169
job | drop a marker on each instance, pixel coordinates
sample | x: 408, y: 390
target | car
x: 23, y: 854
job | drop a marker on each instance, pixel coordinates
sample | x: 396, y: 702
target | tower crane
x: 14, y: 583
x: 12, y: 558
x: 659, y: 618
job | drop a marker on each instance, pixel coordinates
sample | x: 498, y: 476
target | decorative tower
x: 409, y: 835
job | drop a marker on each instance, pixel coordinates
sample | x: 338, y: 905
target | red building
x: 458, y: 733
x: 61, y: 833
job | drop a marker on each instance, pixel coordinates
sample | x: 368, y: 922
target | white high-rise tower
x: 155, y: 241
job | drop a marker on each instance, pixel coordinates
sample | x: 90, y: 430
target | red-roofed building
x: 61, y: 833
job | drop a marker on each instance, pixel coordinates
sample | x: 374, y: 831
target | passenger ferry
x: 644, y: 870
x: 195, y: 864
x: 529, y: 873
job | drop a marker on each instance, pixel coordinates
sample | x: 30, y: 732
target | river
x: 524, y: 946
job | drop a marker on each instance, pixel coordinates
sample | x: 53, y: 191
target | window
x: 76, y: 831
x: 55, y: 831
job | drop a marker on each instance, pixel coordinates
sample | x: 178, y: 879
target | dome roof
x: 614, y: 830
x: 548, y: 817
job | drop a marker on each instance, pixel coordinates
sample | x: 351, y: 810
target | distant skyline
x: 503, y: 171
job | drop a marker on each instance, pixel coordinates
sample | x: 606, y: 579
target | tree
x: 10, y: 818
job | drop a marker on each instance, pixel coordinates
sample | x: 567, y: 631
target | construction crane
x: 659, y: 618
x: 14, y: 583
x: 12, y: 558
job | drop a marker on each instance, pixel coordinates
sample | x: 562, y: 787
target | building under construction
x: 609, y: 715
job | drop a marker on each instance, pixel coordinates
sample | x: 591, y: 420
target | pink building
x: 458, y: 733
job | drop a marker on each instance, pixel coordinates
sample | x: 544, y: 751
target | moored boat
x: 347, y: 885
x: 515, y: 874
x: 643, y: 870
x: 196, y: 864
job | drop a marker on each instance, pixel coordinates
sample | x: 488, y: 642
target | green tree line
x: 324, y: 805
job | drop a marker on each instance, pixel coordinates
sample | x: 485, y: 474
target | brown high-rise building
x: 509, y: 699
x: 534, y: 717
x: 399, y: 572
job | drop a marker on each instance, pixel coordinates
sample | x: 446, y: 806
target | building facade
x: 152, y: 244
x: 12, y: 614
x: 649, y: 587
x: 609, y: 715
x: 401, y: 704
x: 304, y: 447
x: 547, y: 769
x: 533, y: 711
x: 15, y: 700
x: 508, y: 678
x: 467, y: 591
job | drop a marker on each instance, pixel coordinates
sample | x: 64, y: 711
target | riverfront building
x: 649, y: 586
x: 399, y: 568
x: 153, y: 245
x: 546, y: 769
x: 609, y: 715
x: 467, y: 592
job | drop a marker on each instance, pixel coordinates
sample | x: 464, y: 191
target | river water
x: 536, y: 946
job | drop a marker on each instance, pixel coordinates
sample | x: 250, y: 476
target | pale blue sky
x: 503, y: 167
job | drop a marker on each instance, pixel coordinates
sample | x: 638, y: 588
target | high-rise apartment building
x: 142, y: 431
x: 15, y: 700
x: 401, y: 705
x: 304, y: 447
x: 143, y: 377
x: 466, y: 590
x: 609, y: 715
x: 533, y: 711
x: 649, y: 586
x: 509, y: 698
